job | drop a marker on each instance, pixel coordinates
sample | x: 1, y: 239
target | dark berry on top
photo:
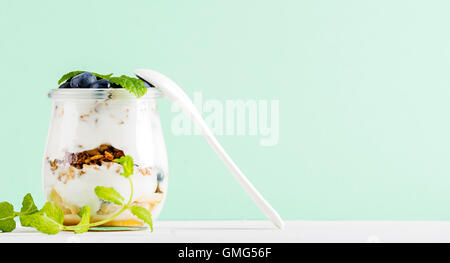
x: 83, y: 80
x: 101, y: 84
x: 65, y: 85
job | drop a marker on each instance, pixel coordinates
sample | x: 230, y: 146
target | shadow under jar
x: 89, y: 128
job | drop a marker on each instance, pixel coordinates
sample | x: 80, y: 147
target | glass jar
x: 89, y: 128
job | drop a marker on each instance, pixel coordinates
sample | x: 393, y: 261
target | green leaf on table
x: 109, y: 194
x: 127, y: 164
x: 143, y: 214
x: 28, y: 206
x: 133, y: 85
x: 7, y: 214
x: 83, y: 226
x: 49, y: 220
x: 42, y: 223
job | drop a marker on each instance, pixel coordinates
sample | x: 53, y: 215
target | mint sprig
x: 83, y: 226
x: 68, y: 76
x: 131, y: 84
x: 7, y: 214
x: 28, y: 206
x: 127, y: 164
x: 50, y: 218
x: 143, y: 214
x: 109, y: 194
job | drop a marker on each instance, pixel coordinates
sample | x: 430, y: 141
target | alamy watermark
x: 232, y: 117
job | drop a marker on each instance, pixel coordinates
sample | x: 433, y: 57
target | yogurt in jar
x: 89, y: 128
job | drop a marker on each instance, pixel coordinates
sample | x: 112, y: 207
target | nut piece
x: 109, y: 156
x: 95, y: 157
x: 53, y: 165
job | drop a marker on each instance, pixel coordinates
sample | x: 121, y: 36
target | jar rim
x: 98, y: 94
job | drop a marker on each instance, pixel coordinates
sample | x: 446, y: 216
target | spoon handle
x: 174, y: 93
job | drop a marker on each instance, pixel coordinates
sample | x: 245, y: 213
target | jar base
x: 113, y: 229
x: 71, y: 220
x: 116, y: 228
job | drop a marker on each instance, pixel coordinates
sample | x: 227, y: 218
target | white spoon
x: 174, y: 93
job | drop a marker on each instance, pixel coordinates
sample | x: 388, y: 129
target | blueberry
x: 83, y: 80
x: 65, y: 85
x: 160, y: 176
x: 101, y: 84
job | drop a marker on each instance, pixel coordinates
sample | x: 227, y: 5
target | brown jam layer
x: 96, y: 156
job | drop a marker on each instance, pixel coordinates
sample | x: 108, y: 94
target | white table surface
x: 255, y: 231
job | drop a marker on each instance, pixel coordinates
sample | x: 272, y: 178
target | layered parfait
x: 95, y: 121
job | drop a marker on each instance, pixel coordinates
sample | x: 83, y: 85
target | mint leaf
x: 127, y: 164
x: 143, y: 214
x: 48, y: 220
x: 72, y: 74
x: 109, y: 194
x: 69, y: 75
x: 42, y: 223
x: 133, y: 85
x: 7, y: 214
x: 28, y: 206
x: 53, y: 212
x: 103, y: 76
x: 83, y: 226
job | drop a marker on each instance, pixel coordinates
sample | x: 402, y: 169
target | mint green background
x: 364, y: 90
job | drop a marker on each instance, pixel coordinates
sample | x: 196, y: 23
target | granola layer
x: 97, y: 156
